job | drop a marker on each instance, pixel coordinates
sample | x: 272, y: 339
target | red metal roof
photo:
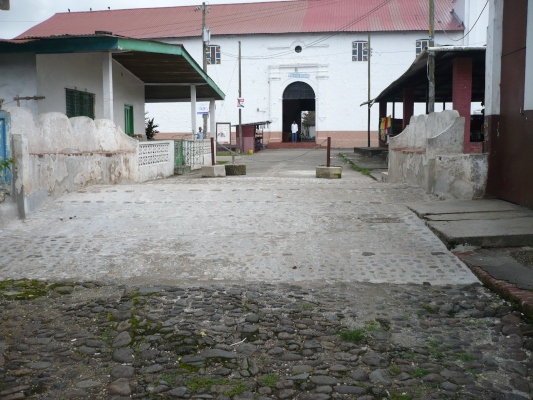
x: 297, y: 16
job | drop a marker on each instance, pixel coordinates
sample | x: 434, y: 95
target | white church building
x: 295, y: 56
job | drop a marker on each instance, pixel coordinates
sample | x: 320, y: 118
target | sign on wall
x: 240, y: 102
x: 298, y: 75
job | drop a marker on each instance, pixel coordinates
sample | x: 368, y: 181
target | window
x: 212, y: 53
x: 79, y: 104
x: 421, y: 44
x: 128, y: 119
x: 360, y: 51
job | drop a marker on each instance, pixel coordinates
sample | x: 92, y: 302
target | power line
x: 467, y: 33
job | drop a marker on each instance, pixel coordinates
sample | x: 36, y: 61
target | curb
x: 520, y: 298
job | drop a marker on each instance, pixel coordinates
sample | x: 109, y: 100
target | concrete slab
x: 480, y: 215
x: 213, y: 171
x: 503, y: 267
x: 461, y: 206
x: 485, y: 233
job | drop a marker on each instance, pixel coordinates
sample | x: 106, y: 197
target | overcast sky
x: 26, y: 13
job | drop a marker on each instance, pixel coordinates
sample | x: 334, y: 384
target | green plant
x: 394, y: 395
x: 6, y: 163
x: 221, y: 162
x: 237, y: 389
x: 429, y: 309
x: 395, y: 369
x: 269, y: 380
x: 150, y: 128
x: 355, y: 335
x: 465, y: 357
x: 419, y: 373
x: 371, y: 326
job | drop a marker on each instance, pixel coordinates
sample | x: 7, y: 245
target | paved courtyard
x: 276, y: 224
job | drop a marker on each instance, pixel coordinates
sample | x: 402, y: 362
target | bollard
x: 212, y: 151
x: 328, y: 153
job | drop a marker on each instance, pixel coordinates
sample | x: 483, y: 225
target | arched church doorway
x: 298, y: 97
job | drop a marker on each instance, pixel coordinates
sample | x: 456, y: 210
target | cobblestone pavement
x: 265, y: 286
x: 261, y: 341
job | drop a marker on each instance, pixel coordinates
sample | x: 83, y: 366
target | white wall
x: 128, y: 89
x: 18, y: 78
x: 340, y: 84
x: 83, y: 71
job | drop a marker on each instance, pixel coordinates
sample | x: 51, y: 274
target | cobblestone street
x: 274, y: 285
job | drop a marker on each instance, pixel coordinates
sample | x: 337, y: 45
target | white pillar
x: 212, y: 119
x: 107, y: 68
x: 193, y: 110
x: 494, y: 58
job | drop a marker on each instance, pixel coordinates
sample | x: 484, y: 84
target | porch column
x: 193, y: 111
x: 408, y: 105
x: 382, y: 114
x: 212, y: 120
x: 462, y: 97
x: 107, y: 69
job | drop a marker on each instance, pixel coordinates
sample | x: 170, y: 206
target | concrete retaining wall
x: 55, y: 155
x: 429, y: 153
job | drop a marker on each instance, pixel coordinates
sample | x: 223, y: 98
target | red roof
x: 297, y: 16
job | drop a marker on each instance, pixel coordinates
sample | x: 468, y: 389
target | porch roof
x: 416, y: 76
x: 167, y: 70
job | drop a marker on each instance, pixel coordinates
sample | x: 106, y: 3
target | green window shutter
x: 79, y: 104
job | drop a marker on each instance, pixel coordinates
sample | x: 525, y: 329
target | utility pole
x: 240, y: 96
x: 431, y: 58
x: 369, y: 53
x: 204, y: 58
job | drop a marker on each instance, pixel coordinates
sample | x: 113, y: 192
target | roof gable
x: 297, y: 16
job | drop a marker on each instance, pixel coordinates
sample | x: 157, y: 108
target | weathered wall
x: 55, y: 155
x: 429, y: 153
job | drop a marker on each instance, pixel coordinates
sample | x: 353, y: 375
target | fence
x: 155, y: 159
x: 193, y: 153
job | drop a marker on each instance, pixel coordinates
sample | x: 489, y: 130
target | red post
x: 328, y: 155
x: 212, y: 151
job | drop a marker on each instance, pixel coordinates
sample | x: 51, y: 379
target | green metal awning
x: 167, y: 70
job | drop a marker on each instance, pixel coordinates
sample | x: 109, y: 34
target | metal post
x: 204, y: 57
x: 328, y: 152
x: 431, y: 58
x: 212, y: 151
x: 368, y: 52
x: 240, y: 95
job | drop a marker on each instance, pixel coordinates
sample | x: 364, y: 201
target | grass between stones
x: 269, y: 380
x: 364, y: 171
x: 197, y: 384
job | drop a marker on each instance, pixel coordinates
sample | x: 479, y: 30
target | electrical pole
x: 204, y: 58
x: 369, y: 53
x: 240, y: 96
x: 431, y: 58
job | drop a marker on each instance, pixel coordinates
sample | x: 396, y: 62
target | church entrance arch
x: 298, y: 97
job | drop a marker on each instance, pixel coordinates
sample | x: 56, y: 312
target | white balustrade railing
x: 156, y: 159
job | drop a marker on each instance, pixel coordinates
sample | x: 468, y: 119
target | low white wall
x: 156, y: 159
x: 429, y: 153
x: 55, y: 155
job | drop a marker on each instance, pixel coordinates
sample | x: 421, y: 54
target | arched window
x: 360, y: 51
x: 298, y: 90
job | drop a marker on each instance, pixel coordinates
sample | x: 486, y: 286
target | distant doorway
x: 297, y: 97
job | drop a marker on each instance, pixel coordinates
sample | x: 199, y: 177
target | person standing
x: 294, y: 131
x: 199, y: 134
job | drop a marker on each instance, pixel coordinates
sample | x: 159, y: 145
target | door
x: 128, y: 119
x: 5, y: 152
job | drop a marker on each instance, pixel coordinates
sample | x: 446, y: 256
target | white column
x: 107, y: 69
x: 212, y: 119
x: 494, y: 58
x: 193, y: 110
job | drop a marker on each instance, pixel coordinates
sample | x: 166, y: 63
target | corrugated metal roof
x: 297, y: 16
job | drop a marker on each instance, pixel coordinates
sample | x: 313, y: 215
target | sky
x: 26, y: 13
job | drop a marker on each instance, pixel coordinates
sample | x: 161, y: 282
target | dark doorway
x: 297, y: 97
